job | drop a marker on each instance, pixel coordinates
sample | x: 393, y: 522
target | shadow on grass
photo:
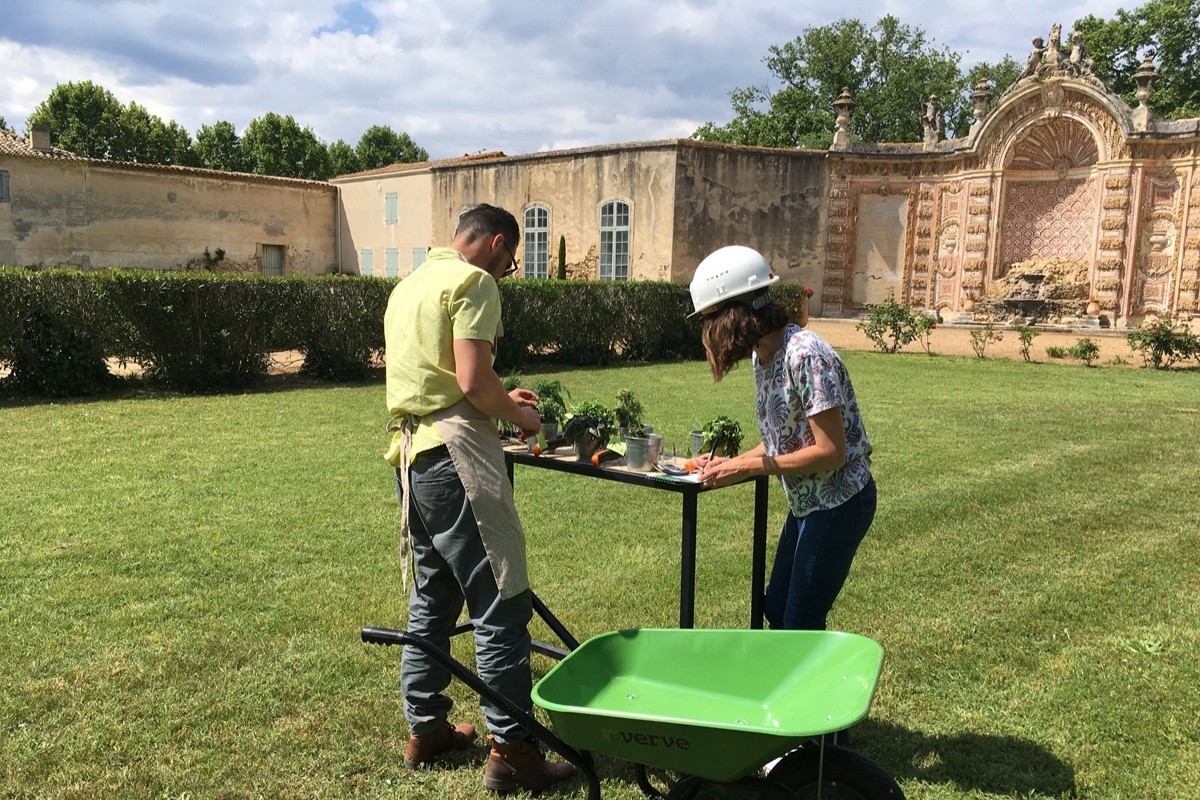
x: 136, y: 387
x: 1002, y: 765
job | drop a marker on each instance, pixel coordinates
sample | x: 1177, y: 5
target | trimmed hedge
x: 340, y: 325
x: 199, y: 331
x: 204, y: 332
x: 55, y: 331
x: 592, y: 323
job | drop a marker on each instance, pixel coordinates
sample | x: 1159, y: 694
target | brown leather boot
x: 521, y: 765
x: 426, y: 747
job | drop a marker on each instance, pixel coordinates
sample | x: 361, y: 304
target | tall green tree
x: 4, y: 126
x: 275, y: 145
x: 83, y: 117
x: 343, y: 159
x: 1167, y: 30
x: 999, y: 76
x: 218, y: 147
x: 144, y: 138
x: 380, y: 145
x: 889, y: 68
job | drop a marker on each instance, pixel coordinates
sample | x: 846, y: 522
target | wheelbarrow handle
x: 580, y: 759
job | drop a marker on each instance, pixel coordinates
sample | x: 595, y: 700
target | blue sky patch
x: 353, y: 17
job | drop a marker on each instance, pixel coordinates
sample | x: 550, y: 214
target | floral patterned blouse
x: 805, y: 377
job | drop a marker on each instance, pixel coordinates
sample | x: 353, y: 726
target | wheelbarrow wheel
x: 845, y: 775
x: 660, y: 783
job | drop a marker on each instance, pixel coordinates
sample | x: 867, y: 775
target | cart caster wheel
x: 845, y: 775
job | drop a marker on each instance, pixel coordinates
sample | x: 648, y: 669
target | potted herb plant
x: 722, y: 436
x: 642, y: 445
x: 552, y: 406
x: 510, y: 382
x: 629, y: 415
x: 589, y: 428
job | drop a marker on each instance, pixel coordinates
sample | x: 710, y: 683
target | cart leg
x: 687, y: 564
x: 581, y: 760
x: 758, y: 557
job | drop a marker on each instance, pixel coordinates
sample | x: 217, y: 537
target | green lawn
x: 183, y: 579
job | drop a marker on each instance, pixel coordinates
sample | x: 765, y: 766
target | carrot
x: 537, y: 449
x: 596, y: 457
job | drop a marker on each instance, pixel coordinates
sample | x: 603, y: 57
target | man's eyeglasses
x: 513, y: 257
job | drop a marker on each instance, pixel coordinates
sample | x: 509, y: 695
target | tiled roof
x: 13, y: 145
x: 392, y: 169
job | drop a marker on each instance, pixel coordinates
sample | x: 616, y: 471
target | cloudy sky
x: 459, y: 76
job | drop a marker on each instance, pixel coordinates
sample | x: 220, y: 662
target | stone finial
x: 844, y: 104
x: 981, y: 100
x: 1144, y: 78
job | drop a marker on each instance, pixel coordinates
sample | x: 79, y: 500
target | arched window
x: 536, y: 255
x: 614, y: 241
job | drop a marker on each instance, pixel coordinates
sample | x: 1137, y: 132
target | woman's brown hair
x: 729, y: 334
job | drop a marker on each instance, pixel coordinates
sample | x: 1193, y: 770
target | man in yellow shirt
x: 460, y: 523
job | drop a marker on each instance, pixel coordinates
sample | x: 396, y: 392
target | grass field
x: 184, y: 578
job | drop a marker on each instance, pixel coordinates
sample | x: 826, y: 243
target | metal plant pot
x: 637, y: 454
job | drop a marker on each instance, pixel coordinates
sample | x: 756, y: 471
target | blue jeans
x: 813, y: 560
x: 452, y: 569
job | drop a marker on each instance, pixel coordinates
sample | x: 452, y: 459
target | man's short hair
x: 487, y: 220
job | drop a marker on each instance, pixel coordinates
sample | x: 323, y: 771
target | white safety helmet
x: 729, y: 273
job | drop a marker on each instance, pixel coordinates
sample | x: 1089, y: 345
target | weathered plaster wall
x: 879, y: 248
x: 775, y: 201
x: 573, y: 186
x: 92, y: 214
x: 362, y: 218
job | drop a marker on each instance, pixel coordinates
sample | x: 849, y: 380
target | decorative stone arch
x: 1050, y: 194
x: 1058, y: 144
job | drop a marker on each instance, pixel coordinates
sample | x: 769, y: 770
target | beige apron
x: 474, y: 444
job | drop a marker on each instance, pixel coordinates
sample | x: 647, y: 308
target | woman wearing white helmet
x: 812, y: 433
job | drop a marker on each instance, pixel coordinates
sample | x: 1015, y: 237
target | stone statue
x: 1035, y: 59
x: 1080, y: 63
x: 1054, y: 48
x: 932, y: 121
x: 933, y: 112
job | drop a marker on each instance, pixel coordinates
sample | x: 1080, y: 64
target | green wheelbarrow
x: 744, y: 707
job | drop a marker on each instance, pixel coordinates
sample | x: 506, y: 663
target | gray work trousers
x: 452, y: 568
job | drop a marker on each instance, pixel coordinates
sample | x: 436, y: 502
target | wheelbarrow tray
x: 717, y: 704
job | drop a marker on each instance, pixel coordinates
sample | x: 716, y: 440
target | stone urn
x: 968, y: 304
x: 1093, y: 308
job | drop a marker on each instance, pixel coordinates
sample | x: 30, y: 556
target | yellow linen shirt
x: 446, y: 299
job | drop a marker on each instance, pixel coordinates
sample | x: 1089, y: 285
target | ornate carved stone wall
x: 1048, y: 220
x: 1057, y: 171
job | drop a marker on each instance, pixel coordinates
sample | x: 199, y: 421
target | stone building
x: 642, y: 211
x: 57, y: 209
x: 1057, y: 174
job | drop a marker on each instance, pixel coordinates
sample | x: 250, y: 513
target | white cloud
x: 457, y: 75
